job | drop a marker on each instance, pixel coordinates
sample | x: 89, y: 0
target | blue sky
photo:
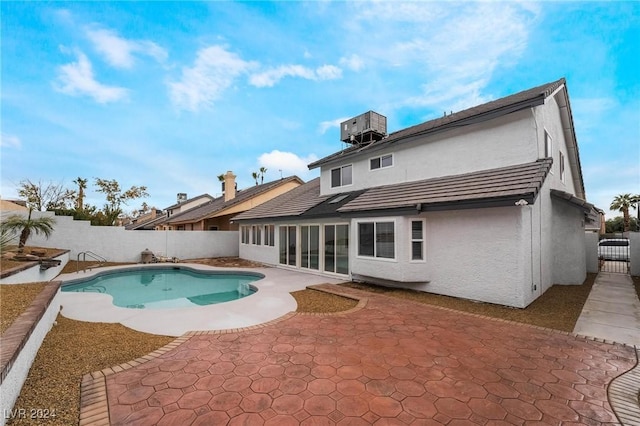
x: 170, y: 95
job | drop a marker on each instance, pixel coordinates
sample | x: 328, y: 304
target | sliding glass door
x: 310, y: 246
x: 336, y: 249
x: 288, y: 245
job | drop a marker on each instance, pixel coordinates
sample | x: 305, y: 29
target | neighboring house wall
x: 119, y: 245
x: 188, y: 205
x: 505, y: 141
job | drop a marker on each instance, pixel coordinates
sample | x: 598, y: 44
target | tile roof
x: 496, y: 187
x: 572, y: 199
x: 204, y: 196
x: 291, y: 203
x: 525, y: 99
x: 493, y: 187
x: 212, y: 207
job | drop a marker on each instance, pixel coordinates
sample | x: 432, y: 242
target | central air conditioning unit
x: 364, y: 129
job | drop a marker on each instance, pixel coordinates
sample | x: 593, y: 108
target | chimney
x: 229, y: 186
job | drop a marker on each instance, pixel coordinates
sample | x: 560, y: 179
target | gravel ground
x: 314, y: 301
x: 70, y: 350
x: 558, y: 308
x: 14, y: 299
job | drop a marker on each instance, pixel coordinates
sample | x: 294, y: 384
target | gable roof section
x: 489, y: 188
x: 289, y: 204
x: 203, y: 196
x: 503, y: 106
x: 212, y: 208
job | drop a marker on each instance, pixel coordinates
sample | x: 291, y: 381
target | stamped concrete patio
x: 389, y: 361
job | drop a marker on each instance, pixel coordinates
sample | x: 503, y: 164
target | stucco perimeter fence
x: 116, y: 244
x: 593, y: 263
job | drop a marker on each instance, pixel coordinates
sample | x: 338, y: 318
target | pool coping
x: 272, y: 300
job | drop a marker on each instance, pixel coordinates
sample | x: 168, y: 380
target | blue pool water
x: 167, y: 287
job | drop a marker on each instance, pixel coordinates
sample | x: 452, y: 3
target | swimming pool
x: 161, y: 288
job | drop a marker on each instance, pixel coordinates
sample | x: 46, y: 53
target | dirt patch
x: 14, y: 299
x: 225, y: 262
x: 314, y: 301
x: 558, y: 308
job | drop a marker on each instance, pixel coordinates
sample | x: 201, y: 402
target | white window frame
x: 371, y: 168
x: 375, y: 256
x: 341, y: 168
x: 421, y: 240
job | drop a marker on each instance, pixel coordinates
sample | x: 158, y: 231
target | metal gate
x: 614, y: 255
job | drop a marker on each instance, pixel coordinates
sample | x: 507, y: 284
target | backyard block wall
x: 591, y: 251
x: 20, y: 343
x: 116, y: 244
x: 634, y: 245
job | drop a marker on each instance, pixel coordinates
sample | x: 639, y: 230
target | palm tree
x: 221, y: 179
x: 263, y: 170
x: 17, y: 223
x: 623, y: 203
x: 255, y: 175
x: 82, y: 185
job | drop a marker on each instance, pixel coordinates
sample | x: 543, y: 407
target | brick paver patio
x: 390, y: 362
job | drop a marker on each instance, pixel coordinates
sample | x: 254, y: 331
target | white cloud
x: 353, y: 62
x: 328, y: 72
x: 214, y: 70
x: 10, y: 141
x: 456, y: 48
x: 272, y: 76
x: 326, y: 125
x: 119, y: 51
x: 288, y: 162
x: 77, y: 79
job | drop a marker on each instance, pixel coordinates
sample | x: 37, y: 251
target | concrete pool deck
x: 271, y: 301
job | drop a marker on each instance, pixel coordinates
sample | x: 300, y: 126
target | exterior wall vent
x: 364, y: 129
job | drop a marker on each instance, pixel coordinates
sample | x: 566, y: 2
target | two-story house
x: 485, y: 204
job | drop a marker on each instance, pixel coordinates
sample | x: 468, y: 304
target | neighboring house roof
x: 147, y: 224
x: 12, y: 205
x: 490, y: 110
x: 176, y: 205
x: 489, y: 188
x: 217, y: 206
